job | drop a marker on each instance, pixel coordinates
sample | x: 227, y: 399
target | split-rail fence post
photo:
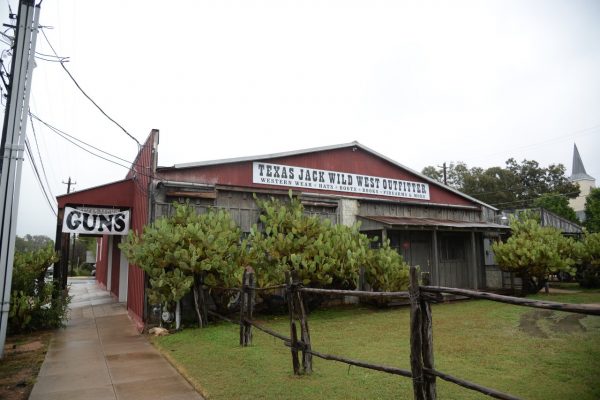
x: 290, y: 290
x: 300, y: 307
x: 298, y: 314
x: 416, y: 342
x: 247, y: 295
x: 427, y: 337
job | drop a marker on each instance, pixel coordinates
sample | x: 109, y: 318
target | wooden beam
x: 587, y: 309
x: 357, y: 293
x: 195, y: 195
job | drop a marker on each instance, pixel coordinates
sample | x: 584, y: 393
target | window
x: 452, y: 248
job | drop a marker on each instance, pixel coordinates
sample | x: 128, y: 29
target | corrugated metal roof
x: 408, y: 221
x: 326, y: 148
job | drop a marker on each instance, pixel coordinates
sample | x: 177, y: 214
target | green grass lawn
x: 556, y: 355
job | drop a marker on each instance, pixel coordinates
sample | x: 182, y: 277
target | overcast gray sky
x: 421, y: 82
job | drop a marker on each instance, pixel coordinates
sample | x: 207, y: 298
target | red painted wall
x: 359, y: 161
x: 141, y: 172
x: 115, y: 194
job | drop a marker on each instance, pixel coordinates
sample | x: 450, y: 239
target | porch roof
x: 406, y: 222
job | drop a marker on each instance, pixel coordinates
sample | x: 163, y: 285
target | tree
x: 592, y: 210
x: 455, y: 174
x: 557, y: 204
x: 493, y: 186
x: 323, y: 254
x: 534, y: 180
x: 434, y: 173
x: 516, y: 185
x: 535, y: 252
x: 185, y: 251
x: 31, y: 243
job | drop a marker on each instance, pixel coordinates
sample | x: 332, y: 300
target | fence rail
x: 587, y: 309
x: 357, y: 293
x: 423, y: 372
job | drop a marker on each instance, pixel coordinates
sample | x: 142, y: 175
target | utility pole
x: 73, y: 238
x: 11, y: 147
x: 69, y: 183
x: 444, y: 169
x: 445, y: 180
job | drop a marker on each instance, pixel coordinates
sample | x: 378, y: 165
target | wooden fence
x: 422, y: 372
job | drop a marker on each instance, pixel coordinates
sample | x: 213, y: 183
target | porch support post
x: 436, y: 259
x: 474, y: 263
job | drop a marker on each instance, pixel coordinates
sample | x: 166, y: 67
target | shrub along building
x: 430, y: 224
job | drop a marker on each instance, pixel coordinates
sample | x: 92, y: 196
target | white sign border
x: 264, y: 173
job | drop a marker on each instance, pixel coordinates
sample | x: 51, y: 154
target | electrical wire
x: 40, y: 156
x: 85, y: 94
x: 76, y: 139
x: 48, y: 60
x: 533, y: 199
x: 37, y: 175
x: 101, y: 157
x: 86, y: 150
x: 556, y: 139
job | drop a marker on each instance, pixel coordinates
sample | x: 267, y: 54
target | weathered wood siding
x: 369, y: 208
x: 240, y: 205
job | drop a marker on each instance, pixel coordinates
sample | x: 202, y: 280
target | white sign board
x: 311, y: 178
x: 113, y: 222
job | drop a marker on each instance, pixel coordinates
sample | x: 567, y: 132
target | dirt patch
x: 569, y: 324
x: 23, y: 357
x: 24, y: 347
x: 552, y: 290
x: 530, y: 322
x: 541, y: 323
x: 133, y: 356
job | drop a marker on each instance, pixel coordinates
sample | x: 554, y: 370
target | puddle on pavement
x: 539, y: 323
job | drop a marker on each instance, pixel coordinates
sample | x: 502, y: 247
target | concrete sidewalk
x: 100, y: 355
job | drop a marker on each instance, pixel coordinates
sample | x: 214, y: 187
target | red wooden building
x: 432, y: 225
x: 113, y: 272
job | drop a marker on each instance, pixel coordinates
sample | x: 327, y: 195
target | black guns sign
x: 93, y: 222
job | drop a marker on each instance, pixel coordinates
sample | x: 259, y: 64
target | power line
x: 76, y: 139
x: 59, y: 133
x: 532, y: 199
x: 73, y: 140
x: 40, y: 156
x: 577, y: 133
x: 37, y: 175
x: 84, y: 93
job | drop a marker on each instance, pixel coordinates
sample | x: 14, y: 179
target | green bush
x: 34, y: 305
x: 535, y: 252
x: 588, y: 273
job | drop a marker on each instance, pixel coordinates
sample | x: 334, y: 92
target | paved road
x: 100, y: 355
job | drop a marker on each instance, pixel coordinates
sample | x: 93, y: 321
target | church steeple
x: 578, y: 172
